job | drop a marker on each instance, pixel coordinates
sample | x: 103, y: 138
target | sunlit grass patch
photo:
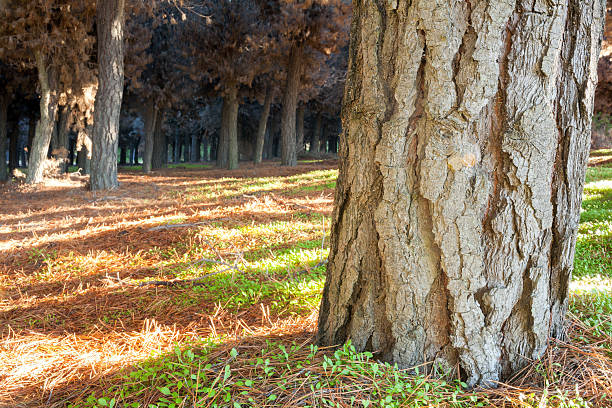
x: 290, y: 280
x: 594, y: 242
x: 597, y: 173
x: 235, y: 187
x: 591, y: 289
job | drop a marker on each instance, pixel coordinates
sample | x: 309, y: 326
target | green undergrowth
x: 278, y: 374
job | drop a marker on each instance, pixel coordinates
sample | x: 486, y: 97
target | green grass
x: 266, y: 376
x: 591, y: 298
x: 601, y: 152
x: 235, y: 187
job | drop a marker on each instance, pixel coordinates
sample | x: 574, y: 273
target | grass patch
x: 235, y: 187
x: 278, y: 374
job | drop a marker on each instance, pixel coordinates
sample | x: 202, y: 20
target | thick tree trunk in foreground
x: 261, y: 129
x: 44, y: 127
x: 466, y: 136
x: 4, y: 102
x: 290, y: 101
x: 159, y: 157
x: 149, y: 117
x: 109, y: 20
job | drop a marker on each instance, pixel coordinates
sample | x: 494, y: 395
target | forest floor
x: 196, y: 287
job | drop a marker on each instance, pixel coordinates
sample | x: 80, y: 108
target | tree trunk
x: 44, y: 127
x: 299, y: 129
x: 4, y: 102
x: 232, y: 131
x: 134, y: 154
x: 13, y: 132
x: 149, y: 116
x: 195, y: 148
x: 315, y: 142
x: 205, y: 146
x: 261, y: 129
x: 63, y: 130
x: 109, y: 20
x: 223, y: 144
x: 31, y: 133
x: 466, y: 136
x: 123, y: 154
x: 160, y: 154
x: 290, y: 99
x: 84, y: 150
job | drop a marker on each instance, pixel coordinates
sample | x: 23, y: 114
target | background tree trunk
x: 223, y: 143
x: 31, y: 133
x: 261, y: 129
x: 195, y: 148
x: 63, y: 130
x: 290, y: 100
x: 149, y: 117
x: 315, y: 141
x: 44, y: 127
x: 134, y: 153
x: 449, y: 244
x: 110, y: 21
x: 4, y: 102
x: 160, y: 154
x: 13, y: 133
x: 84, y: 150
x: 232, y: 132
x: 205, y: 146
x: 299, y: 129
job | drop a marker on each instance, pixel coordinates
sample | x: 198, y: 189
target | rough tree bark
x: 110, y: 21
x: 4, y: 102
x: 290, y: 101
x: 261, y: 129
x: 44, y: 126
x: 299, y: 129
x: 149, y: 115
x: 466, y: 136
